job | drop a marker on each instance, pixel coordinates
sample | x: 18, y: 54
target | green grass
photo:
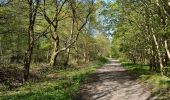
x: 136, y: 68
x: 58, y: 85
x: 159, y: 85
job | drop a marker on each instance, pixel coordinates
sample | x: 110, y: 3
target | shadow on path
x: 112, y: 82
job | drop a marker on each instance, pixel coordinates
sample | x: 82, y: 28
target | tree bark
x: 167, y: 50
x: 159, y: 54
x: 53, y: 59
x: 67, y: 58
x: 54, y: 54
x: 69, y: 42
x: 27, y: 62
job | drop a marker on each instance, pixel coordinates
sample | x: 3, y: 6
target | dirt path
x: 112, y: 82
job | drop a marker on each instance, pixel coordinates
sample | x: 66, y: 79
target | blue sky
x: 109, y: 1
x: 1, y: 1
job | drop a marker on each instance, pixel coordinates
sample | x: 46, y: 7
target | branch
x: 61, y: 6
x: 79, y: 29
x: 43, y: 33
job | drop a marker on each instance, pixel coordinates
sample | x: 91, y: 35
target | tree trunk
x: 67, y: 58
x: 27, y: 62
x: 54, y: 54
x: 53, y: 59
x: 167, y: 50
x: 33, y: 7
x: 159, y: 54
x: 26, y: 71
x: 77, y: 54
x: 85, y: 57
x: 151, y: 59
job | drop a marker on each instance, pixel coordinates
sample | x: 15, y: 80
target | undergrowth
x: 56, y: 85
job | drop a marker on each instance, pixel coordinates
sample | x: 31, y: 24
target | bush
x: 102, y: 59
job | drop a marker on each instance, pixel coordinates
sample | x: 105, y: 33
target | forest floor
x: 45, y: 82
x: 113, y: 82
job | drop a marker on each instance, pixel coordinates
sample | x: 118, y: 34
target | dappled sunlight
x: 113, y: 64
x: 84, y: 49
x: 112, y: 82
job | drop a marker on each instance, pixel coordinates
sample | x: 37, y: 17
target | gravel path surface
x: 112, y: 82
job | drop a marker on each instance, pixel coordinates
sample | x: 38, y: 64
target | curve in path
x: 112, y: 82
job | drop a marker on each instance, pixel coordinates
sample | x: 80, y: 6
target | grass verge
x: 56, y: 85
x: 159, y: 85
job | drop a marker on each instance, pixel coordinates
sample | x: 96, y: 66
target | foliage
x: 141, y: 32
x: 37, y: 32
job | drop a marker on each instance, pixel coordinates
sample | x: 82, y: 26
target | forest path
x: 112, y: 82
